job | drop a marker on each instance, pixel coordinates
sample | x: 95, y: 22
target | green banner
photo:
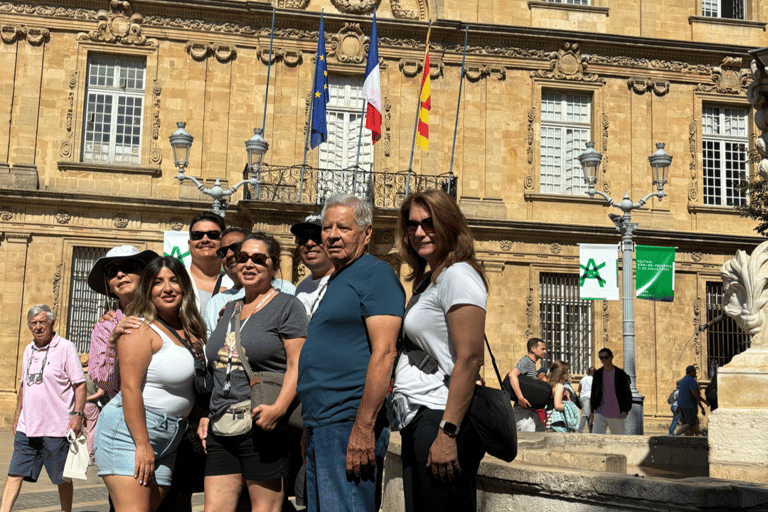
x: 655, y: 273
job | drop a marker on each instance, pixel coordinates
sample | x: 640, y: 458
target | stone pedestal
x: 738, y: 433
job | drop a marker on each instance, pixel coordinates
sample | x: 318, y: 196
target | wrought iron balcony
x: 307, y: 185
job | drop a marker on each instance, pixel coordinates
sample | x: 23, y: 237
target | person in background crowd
x: 557, y: 378
x: 611, y: 397
x: 675, y: 409
x: 585, y: 395
x: 710, y: 393
x: 116, y: 276
x: 273, y: 326
x: 528, y: 420
x: 140, y: 429
x: 309, y: 244
x: 95, y: 398
x: 444, y: 319
x: 687, y: 401
x: 204, y: 268
x: 50, y: 403
x: 346, y: 364
x: 227, y: 253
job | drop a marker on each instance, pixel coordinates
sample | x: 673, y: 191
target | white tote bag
x: 77, y: 457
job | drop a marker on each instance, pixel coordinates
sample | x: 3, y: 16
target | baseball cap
x: 310, y: 223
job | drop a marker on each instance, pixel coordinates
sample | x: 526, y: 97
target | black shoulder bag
x: 490, y: 412
x: 203, y: 382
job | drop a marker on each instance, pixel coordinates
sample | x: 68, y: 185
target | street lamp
x: 256, y: 146
x: 660, y: 162
x: 181, y: 142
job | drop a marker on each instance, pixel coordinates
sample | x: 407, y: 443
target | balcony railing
x: 288, y: 184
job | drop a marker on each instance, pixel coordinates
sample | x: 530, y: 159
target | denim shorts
x: 30, y: 454
x: 116, y: 451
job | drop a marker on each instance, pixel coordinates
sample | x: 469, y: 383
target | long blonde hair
x: 456, y: 243
x: 558, y: 373
x: 143, y: 307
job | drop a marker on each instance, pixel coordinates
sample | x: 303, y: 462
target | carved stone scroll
x: 529, y: 142
x: 642, y: 85
x: 118, y: 25
x: 568, y: 64
x: 727, y: 78
x: 356, y: 6
x: 349, y: 45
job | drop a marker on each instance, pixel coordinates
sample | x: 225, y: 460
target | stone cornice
x: 46, y: 199
x: 118, y: 169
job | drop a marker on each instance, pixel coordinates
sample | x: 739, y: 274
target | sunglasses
x: 603, y: 358
x: 126, y: 267
x: 198, y: 235
x: 426, y: 225
x: 222, y: 252
x: 306, y: 237
x: 257, y: 258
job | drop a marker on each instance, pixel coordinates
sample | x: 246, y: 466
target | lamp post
x: 660, y: 162
x: 181, y: 142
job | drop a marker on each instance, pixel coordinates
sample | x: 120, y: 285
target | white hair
x: 40, y: 308
x: 363, y: 211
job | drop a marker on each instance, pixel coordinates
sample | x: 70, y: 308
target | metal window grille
x: 85, y: 305
x: 733, y: 9
x: 565, y: 129
x: 344, y: 115
x: 565, y: 321
x: 113, y: 110
x: 725, y: 142
x: 724, y: 338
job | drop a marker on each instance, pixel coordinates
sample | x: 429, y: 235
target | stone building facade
x: 92, y: 90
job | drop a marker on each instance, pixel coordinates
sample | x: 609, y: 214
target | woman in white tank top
x: 145, y: 422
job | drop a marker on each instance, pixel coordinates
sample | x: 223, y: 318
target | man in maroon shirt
x: 611, y: 396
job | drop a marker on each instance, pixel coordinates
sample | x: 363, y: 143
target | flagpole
x: 458, y: 104
x: 266, y: 96
x: 309, y: 118
x: 416, y: 122
x: 362, y: 122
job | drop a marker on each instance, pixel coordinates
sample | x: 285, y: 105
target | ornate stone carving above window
x: 201, y: 50
x: 356, y: 6
x: 641, y: 85
x: 411, y: 68
x: 33, y: 35
x: 118, y: 25
x: 568, y: 64
x: 292, y: 4
x: 727, y: 78
x: 349, y: 45
x: 475, y: 73
x: 291, y: 58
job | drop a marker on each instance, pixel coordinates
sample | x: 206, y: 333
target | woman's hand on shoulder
x: 125, y: 326
x: 267, y: 416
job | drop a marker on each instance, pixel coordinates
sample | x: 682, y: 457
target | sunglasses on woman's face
x: 198, y: 235
x: 126, y: 267
x: 223, y: 251
x: 257, y: 258
x: 426, y: 225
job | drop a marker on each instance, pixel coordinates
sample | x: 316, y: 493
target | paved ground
x: 43, y: 496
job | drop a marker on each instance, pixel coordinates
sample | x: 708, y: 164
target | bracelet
x: 75, y: 413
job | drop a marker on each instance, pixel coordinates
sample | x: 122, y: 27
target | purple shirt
x: 610, y: 405
x: 46, y: 405
x: 102, y: 364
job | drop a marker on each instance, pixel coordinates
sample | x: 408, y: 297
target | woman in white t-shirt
x: 445, y: 318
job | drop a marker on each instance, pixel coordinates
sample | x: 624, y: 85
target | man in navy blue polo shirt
x: 687, y: 401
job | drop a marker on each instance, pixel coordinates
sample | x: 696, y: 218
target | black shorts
x: 688, y: 415
x: 258, y: 455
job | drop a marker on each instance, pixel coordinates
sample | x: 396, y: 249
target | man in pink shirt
x: 51, y: 402
x: 611, y: 396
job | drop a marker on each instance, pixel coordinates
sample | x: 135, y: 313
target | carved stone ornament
x: 387, y: 236
x: 604, y: 167
x: 606, y: 318
x: 410, y: 68
x: 727, y: 78
x: 696, y: 324
x: 555, y: 248
x: 568, y: 64
x: 349, y: 45
x: 62, y: 216
x: 642, y: 85
x: 475, y: 73
x: 155, y: 153
x: 120, y: 220
x: 118, y: 25
x: 57, y: 287
x: 201, y: 50
x: 696, y: 256
x: 5, y: 213
x: 356, y: 6
x: 505, y: 245
x: 66, y: 149
x: 744, y: 282
x: 529, y: 313
x: 399, y: 12
x: 529, y: 142
x: 33, y: 35
x: 693, y: 189
x: 177, y: 224
x: 387, y: 104
x: 293, y: 4
x: 291, y: 58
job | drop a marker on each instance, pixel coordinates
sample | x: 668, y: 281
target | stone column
x: 287, y: 248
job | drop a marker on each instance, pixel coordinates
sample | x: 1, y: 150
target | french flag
x: 372, y: 87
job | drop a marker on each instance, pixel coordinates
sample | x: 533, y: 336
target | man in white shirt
x: 312, y: 289
x: 205, y: 233
x: 585, y: 395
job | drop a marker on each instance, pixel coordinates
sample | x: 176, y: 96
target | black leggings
x: 424, y: 492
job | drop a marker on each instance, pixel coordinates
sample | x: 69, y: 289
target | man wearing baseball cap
x: 312, y: 289
x: 687, y: 401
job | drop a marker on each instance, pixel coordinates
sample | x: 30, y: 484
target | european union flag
x: 319, y: 132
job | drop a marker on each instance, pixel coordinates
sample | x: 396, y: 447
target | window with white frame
x: 565, y: 130
x: 114, y: 108
x: 733, y: 9
x: 338, y: 154
x: 565, y: 321
x: 725, y: 140
x: 85, y: 305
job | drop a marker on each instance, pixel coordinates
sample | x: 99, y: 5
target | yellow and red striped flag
x: 426, y: 105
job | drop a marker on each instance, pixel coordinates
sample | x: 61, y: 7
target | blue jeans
x: 675, y: 419
x: 329, y: 487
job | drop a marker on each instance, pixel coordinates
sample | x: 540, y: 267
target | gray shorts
x: 30, y: 454
x: 116, y: 451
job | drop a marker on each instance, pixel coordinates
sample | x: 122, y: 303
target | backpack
x: 673, y: 396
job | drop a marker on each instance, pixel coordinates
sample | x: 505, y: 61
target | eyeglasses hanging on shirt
x: 36, y: 378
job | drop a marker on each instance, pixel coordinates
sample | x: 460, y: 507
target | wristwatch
x: 75, y: 413
x: 449, y: 429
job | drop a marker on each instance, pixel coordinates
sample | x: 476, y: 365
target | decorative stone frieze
x: 155, y: 153
x: 62, y: 216
x: 529, y: 143
x: 568, y: 64
x: 606, y: 184
x: 33, y: 35
x: 293, y: 4
x: 555, y: 248
x: 118, y: 25
x: 505, y: 245
x: 727, y: 78
x: 642, y: 85
x: 356, y: 6
x: 693, y: 186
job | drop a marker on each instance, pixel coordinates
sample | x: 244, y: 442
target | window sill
x: 718, y: 210
x: 568, y: 7
x: 727, y: 21
x: 563, y: 198
x: 119, y: 169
